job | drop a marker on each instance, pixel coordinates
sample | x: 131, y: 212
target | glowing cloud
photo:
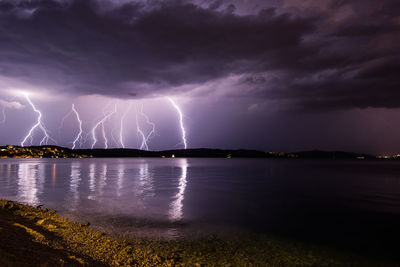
x: 8, y: 105
x: 11, y: 104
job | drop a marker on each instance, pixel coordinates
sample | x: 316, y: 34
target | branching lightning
x: 114, y: 139
x: 63, y: 120
x: 140, y: 132
x: 153, y: 126
x: 180, y: 121
x: 145, y: 128
x: 145, y: 138
x: 101, y: 122
x: 39, y: 124
x: 3, y: 113
x: 103, y: 132
x: 79, y: 136
x: 121, y: 132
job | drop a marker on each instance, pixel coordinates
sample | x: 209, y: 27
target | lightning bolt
x: 39, y: 124
x: 3, y: 112
x: 103, y: 131
x: 145, y: 138
x: 180, y: 121
x: 140, y: 132
x: 121, y: 131
x: 79, y: 136
x: 101, y: 122
x: 114, y: 139
x: 153, y: 126
x: 62, y: 122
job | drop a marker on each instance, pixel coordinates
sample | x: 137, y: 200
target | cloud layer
x: 313, y: 55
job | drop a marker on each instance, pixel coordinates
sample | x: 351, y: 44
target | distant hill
x: 10, y: 151
x: 63, y: 152
x: 179, y: 153
x: 318, y: 154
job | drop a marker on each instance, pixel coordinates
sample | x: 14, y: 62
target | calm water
x: 326, y: 201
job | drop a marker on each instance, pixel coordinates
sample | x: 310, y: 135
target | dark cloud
x: 74, y: 46
x: 340, y: 55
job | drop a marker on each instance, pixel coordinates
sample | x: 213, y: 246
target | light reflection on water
x: 54, y: 175
x: 99, y: 186
x: 27, y: 183
x: 176, y: 210
x: 248, y: 193
x: 92, y: 177
x: 30, y: 182
x: 74, y: 184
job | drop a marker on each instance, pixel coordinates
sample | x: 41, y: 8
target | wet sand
x: 39, y: 237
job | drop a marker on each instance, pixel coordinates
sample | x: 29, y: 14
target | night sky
x: 278, y: 75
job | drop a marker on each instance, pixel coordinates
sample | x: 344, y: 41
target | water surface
x: 352, y: 202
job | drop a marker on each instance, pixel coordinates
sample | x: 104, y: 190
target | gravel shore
x: 34, y: 236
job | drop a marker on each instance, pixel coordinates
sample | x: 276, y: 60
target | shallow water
x: 324, y: 201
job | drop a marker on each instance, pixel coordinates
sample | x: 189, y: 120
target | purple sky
x: 279, y: 75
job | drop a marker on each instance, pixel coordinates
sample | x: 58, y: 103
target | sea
x: 347, y: 204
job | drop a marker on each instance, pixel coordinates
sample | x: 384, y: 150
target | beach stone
x: 40, y: 222
x: 51, y: 226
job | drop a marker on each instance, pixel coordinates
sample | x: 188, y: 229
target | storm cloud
x: 309, y: 54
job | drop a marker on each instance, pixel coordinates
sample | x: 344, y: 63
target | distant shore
x: 39, y: 237
x: 48, y: 151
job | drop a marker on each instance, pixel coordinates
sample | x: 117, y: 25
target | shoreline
x: 37, y: 236
x: 52, y: 151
